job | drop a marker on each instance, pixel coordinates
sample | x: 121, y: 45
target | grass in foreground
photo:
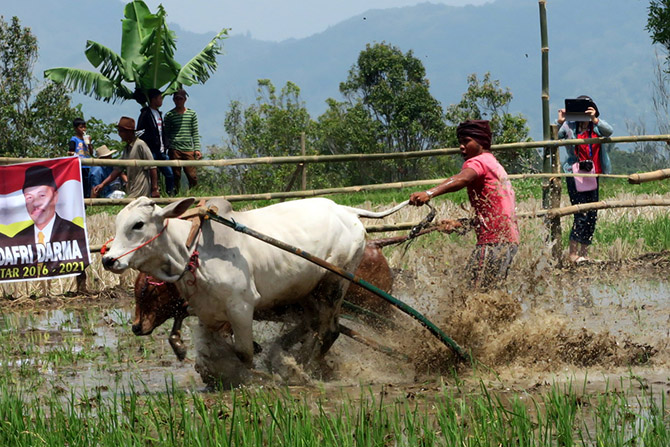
x: 448, y: 417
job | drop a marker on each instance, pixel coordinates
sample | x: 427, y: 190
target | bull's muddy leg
x: 321, y: 317
x: 241, y: 321
x: 175, y: 339
x: 216, y: 360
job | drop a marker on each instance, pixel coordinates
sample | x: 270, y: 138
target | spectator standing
x: 181, y: 129
x: 493, y: 200
x: 80, y: 145
x: 142, y: 180
x: 585, y: 158
x: 150, y: 122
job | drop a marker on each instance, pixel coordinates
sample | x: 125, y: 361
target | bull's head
x: 155, y: 303
x: 136, y: 225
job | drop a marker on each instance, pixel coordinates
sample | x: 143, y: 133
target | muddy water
x: 599, y: 331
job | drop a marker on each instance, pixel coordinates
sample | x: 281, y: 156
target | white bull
x: 239, y: 275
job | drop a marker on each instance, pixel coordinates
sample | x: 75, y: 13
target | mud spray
x: 603, y: 317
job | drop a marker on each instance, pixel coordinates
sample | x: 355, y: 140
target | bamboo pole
x: 347, y: 157
x: 303, y: 183
x: 550, y: 213
x: 328, y: 191
x: 606, y: 204
x: 546, y: 153
x: 555, y: 201
x: 636, y: 179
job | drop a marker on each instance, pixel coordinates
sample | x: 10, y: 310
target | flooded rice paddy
x: 612, y: 323
x: 554, y: 338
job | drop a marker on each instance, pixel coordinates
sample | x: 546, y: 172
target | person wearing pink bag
x: 590, y: 158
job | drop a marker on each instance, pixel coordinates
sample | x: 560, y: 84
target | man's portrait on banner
x: 46, y: 244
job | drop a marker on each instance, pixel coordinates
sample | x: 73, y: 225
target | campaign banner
x: 42, y: 220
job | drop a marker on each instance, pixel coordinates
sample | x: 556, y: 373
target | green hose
x: 444, y: 338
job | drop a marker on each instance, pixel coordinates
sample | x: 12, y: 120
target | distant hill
x: 596, y: 48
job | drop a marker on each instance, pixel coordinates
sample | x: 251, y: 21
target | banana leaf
x: 139, y: 22
x: 112, y: 66
x: 201, y: 66
x: 159, y: 67
x: 89, y: 83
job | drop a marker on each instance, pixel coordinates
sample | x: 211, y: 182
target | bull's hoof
x: 178, y: 347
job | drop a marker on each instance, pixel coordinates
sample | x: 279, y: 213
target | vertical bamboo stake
x: 550, y: 160
x: 304, y: 166
x: 546, y: 131
x: 555, y: 200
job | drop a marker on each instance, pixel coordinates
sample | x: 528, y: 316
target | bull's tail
x: 377, y: 215
x: 459, y: 226
x: 386, y: 241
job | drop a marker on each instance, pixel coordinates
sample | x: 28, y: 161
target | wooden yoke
x: 196, y: 216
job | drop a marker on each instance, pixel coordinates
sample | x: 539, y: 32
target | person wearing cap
x: 100, y: 173
x: 142, y: 180
x: 492, y: 199
x: 181, y: 129
x: 150, y: 122
x: 597, y: 158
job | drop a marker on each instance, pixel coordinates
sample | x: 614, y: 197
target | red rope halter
x: 104, y: 248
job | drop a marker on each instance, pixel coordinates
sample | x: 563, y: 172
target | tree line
x: 386, y: 106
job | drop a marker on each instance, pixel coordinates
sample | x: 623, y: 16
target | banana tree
x: 146, y: 61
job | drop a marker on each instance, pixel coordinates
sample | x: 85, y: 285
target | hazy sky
x: 276, y: 20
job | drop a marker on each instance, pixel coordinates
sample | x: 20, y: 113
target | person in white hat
x: 100, y: 173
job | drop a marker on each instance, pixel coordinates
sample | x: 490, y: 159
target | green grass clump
x: 277, y: 417
x: 648, y: 234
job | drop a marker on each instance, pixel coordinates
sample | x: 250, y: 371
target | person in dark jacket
x: 150, y: 123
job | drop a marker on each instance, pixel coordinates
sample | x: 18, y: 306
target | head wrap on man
x: 478, y: 130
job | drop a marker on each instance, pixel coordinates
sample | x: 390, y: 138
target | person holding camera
x: 591, y: 158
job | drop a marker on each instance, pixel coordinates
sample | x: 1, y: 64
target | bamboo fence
x: 348, y: 157
x: 549, y: 213
x: 341, y: 190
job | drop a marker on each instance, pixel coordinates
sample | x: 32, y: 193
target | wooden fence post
x: 546, y: 131
x: 551, y: 190
x: 304, y: 165
x: 555, y: 200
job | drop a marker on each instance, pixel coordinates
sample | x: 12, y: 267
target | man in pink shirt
x: 492, y: 198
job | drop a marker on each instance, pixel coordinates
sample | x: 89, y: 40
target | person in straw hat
x: 141, y: 180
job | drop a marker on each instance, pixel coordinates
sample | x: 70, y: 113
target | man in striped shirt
x: 181, y: 128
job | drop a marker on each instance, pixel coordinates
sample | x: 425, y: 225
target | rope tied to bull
x: 192, y: 266
x: 104, y: 248
x: 153, y: 281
